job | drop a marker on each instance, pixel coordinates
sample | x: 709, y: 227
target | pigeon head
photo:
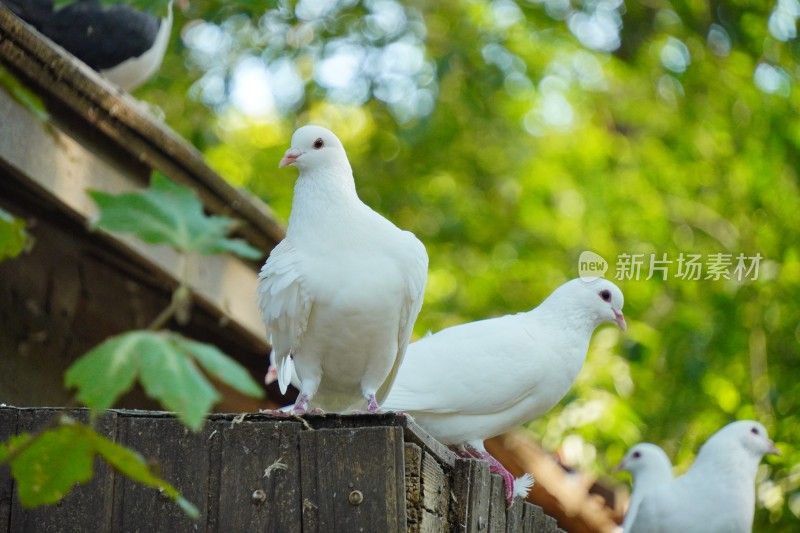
x: 646, y: 459
x: 314, y: 147
x: 745, y: 435
x: 600, y: 298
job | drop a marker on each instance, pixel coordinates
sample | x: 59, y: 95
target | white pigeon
x: 717, y: 494
x: 340, y: 294
x: 471, y: 382
x: 650, y: 467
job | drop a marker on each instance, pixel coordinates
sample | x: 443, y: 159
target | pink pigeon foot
x: 495, y: 467
x: 461, y: 451
x: 301, y: 405
x: 372, y: 404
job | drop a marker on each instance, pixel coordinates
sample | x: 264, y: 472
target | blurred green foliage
x: 527, y: 132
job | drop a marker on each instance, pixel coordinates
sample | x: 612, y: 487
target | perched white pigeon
x: 717, y: 494
x: 340, y: 294
x: 650, y: 467
x: 471, y: 382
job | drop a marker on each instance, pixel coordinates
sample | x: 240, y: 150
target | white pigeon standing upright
x: 340, y: 294
x: 717, y: 494
x: 471, y: 382
x: 650, y: 467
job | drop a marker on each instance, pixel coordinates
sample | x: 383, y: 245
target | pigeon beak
x: 773, y: 449
x: 620, y: 318
x: 290, y: 157
x: 619, y: 467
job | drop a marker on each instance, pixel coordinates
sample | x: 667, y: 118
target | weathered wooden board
x: 259, y: 477
x: 472, y: 493
x: 498, y: 505
x: 529, y: 524
x: 259, y: 472
x: 353, y: 480
x: 427, y: 492
x: 183, y: 459
x: 514, y: 516
x: 87, y: 507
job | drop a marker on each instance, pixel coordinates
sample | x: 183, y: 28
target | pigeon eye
x: 636, y: 455
x: 605, y: 295
x: 754, y: 431
x: 319, y: 143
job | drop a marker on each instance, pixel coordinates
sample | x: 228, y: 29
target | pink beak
x: 290, y: 157
x: 773, y: 449
x: 619, y: 467
x: 620, y: 320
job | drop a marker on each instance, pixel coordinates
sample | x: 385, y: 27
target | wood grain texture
x: 353, y: 480
x: 258, y: 460
x: 472, y: 494
x: 182, y: 458
x: 514, y: 516
x: 497, y: 506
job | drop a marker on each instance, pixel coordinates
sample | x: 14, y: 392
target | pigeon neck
x: 322, y: 199
x: 733, y: 474
x: 654, y: 475
x: 567, y: 314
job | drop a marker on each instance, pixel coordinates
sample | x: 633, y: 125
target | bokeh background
x: 510, y: 136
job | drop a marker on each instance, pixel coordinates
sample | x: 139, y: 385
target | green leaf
x: 222, y: 367
x: 48, y: 466
x: 164, y: 362
x: 23, y: 95
x: 168, y: 213
x: 13, y: 236
x: 108, y: 371
x: 169, y: 375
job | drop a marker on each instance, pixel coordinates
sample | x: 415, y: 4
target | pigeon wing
x: 411, y: 305
x: 446, y: 372
x: 285, y: 306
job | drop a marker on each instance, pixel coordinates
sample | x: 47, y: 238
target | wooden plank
x: 427, y: 492
x: 353, y: 480
x: 86, y: 507
x: 529, y: 518
x: 8, y: 427
x: 259, y: 481
x: 412, y: 459
x: 471, y: 492
x: 551, y: 524
x: 412, y: 432
x: 514, y: 516
x: 540, y: 520
x: 435, y: 487
x: 182, y: 457
x: 497, y: 505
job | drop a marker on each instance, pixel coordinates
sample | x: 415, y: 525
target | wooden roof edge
x: 55, y: 74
